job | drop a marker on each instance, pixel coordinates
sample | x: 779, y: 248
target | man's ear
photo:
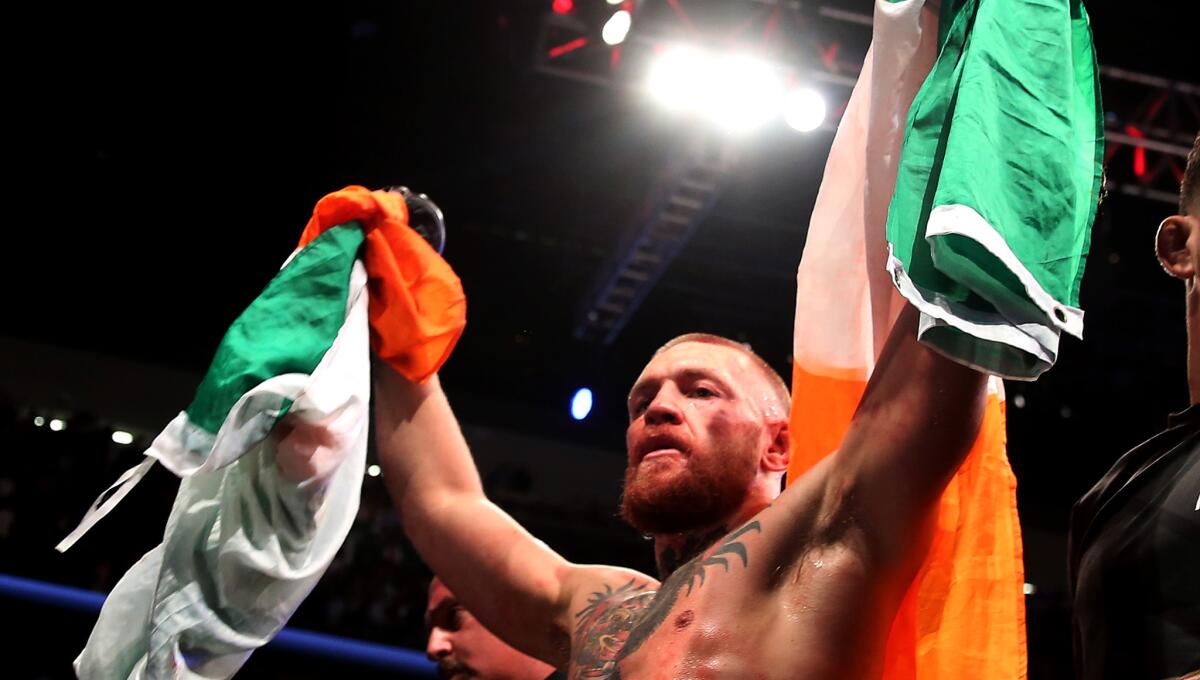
x: 1171, y: 246
x: 779, y: 450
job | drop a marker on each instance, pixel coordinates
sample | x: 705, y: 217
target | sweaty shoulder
x: 802, y: 519
x: 593, y: 588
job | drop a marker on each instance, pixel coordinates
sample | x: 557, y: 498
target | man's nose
x: 664, y: 409
x: 438, y: 645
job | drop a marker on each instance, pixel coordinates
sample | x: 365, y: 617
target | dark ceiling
x: 163, y: 163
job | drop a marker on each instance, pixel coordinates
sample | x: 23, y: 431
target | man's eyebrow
x: 695, y: 373
x: 640, y: 387
x: 702, y: 373
x: 439, y: 611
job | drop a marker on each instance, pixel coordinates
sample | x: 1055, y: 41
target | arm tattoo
x: 598, y: 601
x: 603, y: 628
x: 615, y: 623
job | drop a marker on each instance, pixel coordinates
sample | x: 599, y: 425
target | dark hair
x: 1189, y: 188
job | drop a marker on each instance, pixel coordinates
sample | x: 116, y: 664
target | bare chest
x: 734, y: 613
x: 653, y: 635
x: 714, y: 624
x: 635, y: 631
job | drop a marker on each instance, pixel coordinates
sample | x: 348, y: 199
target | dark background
x: 163, y: 162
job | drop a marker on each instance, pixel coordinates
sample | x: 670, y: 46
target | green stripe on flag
x: 1009, y: 124
x: 287, y: 329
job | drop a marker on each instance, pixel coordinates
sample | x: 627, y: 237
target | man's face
x: 464, y: 649
x: 696, y: 430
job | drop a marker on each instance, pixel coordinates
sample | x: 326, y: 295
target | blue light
x: 581, y: 403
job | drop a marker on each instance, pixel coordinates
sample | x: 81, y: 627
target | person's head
x: 707, y: 435
x: 464, y: 649
x: 1178, y: 240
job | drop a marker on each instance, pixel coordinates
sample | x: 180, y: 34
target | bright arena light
x: 616, y: 28
x: 737, y: 92
x: 678, y: 78
x: 745, y: 93
x: 38, y: 421
x: 373, y: 470
x: 804, y: 109
x: 57, y: 425
x: 1030, y: 589
x: 581, y: 403
x: 122, y: 437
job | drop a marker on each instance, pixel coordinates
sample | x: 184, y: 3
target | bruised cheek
x: 736, y: 436
x: 729, y: 425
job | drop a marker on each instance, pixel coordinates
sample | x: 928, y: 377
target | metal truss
x: 1149, y: 126
x: 678, y: 202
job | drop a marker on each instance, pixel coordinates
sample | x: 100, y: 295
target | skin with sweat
x: 753, y: 583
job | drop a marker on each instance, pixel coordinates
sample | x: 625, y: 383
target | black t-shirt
x: 1135, y: 561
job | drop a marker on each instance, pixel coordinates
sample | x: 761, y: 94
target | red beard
x: 701, y: 491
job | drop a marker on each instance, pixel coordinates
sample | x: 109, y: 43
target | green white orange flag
x: 244, y: 543
x: 964, y: 614
x: 998, y: 183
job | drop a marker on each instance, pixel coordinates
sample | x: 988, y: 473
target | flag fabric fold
x: 245, y: 543
x: 999, y: 179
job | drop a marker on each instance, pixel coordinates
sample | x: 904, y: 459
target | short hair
x: 1189, y: 188
x: 777, y: 384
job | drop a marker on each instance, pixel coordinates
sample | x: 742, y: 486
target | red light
x: 1139, y: 152
x: 564, y: 48
x: 683, y: 17
x: 563, y: 6
x: 829, y: 56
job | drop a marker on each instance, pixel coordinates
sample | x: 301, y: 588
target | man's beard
x: 706, y: 491
x: 448, y: 668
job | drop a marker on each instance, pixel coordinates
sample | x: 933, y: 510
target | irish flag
x: 249, y: 536
x: 920, y: 110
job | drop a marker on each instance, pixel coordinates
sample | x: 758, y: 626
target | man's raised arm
x: 512, y: 582
x: 915, y: 425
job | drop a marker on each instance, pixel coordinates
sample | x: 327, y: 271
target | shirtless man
x: 754, y: 583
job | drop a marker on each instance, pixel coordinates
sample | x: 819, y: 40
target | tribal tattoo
x: 671, y: 559
x: 615, y: 623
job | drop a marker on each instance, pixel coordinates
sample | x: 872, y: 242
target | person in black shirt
x: 1135, y: 537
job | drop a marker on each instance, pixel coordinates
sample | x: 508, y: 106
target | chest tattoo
x: 615, y: 623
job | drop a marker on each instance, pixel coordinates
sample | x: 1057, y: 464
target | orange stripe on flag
x: 417, y: 306
x: 821, y: 412
x: 964, y: 614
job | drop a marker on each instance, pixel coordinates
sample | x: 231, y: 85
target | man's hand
x: 307, y: 450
